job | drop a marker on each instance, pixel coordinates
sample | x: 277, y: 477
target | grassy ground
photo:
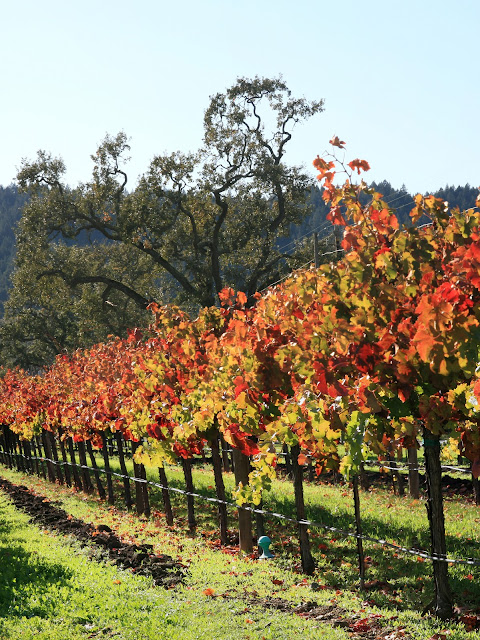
x: 50, y: 589
x: 404, y: 584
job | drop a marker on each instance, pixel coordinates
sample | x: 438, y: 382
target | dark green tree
x: 202, y: 221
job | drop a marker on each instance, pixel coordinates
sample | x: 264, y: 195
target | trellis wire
x: 310, y: 523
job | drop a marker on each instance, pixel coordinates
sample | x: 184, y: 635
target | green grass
x: 397, y: 519
x: 50, y: 589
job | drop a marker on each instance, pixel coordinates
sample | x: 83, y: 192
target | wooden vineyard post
x: 106, y: 462
x: 358, y: 530
x: 48, y: 456
x: 40, y: 455
x: 288, y: 461
x: 53, y: 447
x: 11, y: 450
x: 363, y: 477
x: 33, y: 447
x: 397, y: 480
x: 28, y: 456
x: 123, y: 467
x: 242, y: 469
x: 18, y: 453
x: 219, y: 487
x: 476, y: 489
x: 308, y: 564
x: 225, y: 458
x: 87, y: 483
x: 6, y: 454
x: 167, y: 504
x: 141, y: 491
x: 76, y: 475
x: 187, y: 472
x: 96, y: 473
x: 413, y: 475
x: 66, y: 467
x: 259, y: 522
x: 442, y: 604
x: 2, y: 447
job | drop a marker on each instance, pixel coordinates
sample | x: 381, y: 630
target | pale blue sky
x: 401, y: 80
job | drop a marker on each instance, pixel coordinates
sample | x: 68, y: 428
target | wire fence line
x: 310, y: 523
x: 401, y: 466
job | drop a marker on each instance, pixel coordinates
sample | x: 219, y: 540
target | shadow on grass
x: 25, y: 578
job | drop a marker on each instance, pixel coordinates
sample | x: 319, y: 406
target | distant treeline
x: 11, y: 203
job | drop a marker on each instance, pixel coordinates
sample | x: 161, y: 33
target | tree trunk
x: 167, y: 504
x: 219, y: 487
x: 187, y: 472
x: 241, y: 464
x: 123, y: 467
x: 413, y: 475
x: 308, y: 564
x: 358, y: 529
x: 442, y: 604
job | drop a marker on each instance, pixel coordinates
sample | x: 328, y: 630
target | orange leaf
x: 302, y: 459
x: 241, y: 298
x: 359, y: 165
x: 209, y: 592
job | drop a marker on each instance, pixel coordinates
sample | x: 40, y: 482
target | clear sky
x: 400, y: 80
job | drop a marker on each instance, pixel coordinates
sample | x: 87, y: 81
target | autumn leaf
x: 335, y: 216
x: 241, y: 298
x: 209, y: 592
x: 336, y: 142
x: 359, y: 165
x: 302, y: 459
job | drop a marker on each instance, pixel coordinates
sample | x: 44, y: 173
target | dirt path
x: 162, y: 568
